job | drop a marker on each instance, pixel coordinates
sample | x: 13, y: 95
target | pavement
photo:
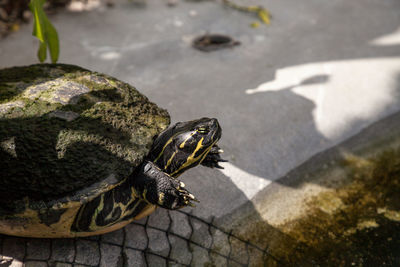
x: 319, y: 74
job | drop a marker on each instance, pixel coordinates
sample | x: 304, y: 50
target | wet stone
x: 110, y: 256
x: 200, y: 256
x: 220, y: 242
x: 218, y: 260
x: 65, y: 115
x: 93, y: 237
x: 116, y: 237
x: 239, y: 250
x: 158, y: 242
x: 201, y: 235
x: 63, y: 250
x: 269, y: 261
x: 60, y: 264
x: 8, y: 106
x: 34, y: 91
x: 134, y: 258
x: 256, y: 256
x: 180, y: 250
x: 136, y: 236
x: 142, y: 221
x: 159, y: 219
x: 154, y: 260
x: 234, y: 264
x: 69, y: 93
x: 180, y: 224
x: 97, y: 79
x: 66, y: 92
x: 14, y: 247
x: 174, y: 264
x: 35, y: 264
x: 38, y: 249
x: 87, y: 252
x: 115, y: 130
x: 283, y: 243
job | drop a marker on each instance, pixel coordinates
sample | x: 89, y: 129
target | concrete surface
x: 319, y: 74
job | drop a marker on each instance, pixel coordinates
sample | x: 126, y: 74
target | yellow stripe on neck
x: 191, y: 158
x: 169, y: 161
x: 165, y: 146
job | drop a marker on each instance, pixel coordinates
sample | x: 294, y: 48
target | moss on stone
x: 356, y: 224
x: 72, y: 128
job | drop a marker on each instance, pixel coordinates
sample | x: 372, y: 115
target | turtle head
x: 185, y: 145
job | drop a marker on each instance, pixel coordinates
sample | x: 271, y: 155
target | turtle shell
x: 69, y: 134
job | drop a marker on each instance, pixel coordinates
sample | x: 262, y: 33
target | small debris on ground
x: 212, y: 42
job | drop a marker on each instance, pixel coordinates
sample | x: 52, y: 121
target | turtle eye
x: 203, y: 130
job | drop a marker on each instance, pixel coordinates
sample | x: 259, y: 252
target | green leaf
x: 42, y: 52
x: 52, y: 41
x: 37, y: 25
x: 44, y: 31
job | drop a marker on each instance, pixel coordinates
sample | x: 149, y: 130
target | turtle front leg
x: 158, y: 188
x: 213, y: 158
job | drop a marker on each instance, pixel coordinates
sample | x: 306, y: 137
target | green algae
x: 358, y: 233
x: 354, y: 224
x: 72, y: 128
x: 7, y: 92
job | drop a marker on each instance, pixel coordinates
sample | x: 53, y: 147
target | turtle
x: 82, y: 153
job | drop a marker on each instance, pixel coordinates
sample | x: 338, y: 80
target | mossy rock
x: 67, y: 132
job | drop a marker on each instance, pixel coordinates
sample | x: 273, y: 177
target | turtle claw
x: 177, y: 196
x: 192, y: 198
x: 187, y: 198
x: 213, y: 158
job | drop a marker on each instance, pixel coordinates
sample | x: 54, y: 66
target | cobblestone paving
x: 166, y: 238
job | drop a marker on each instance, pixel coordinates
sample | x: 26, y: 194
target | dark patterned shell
x: 69, y: 134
